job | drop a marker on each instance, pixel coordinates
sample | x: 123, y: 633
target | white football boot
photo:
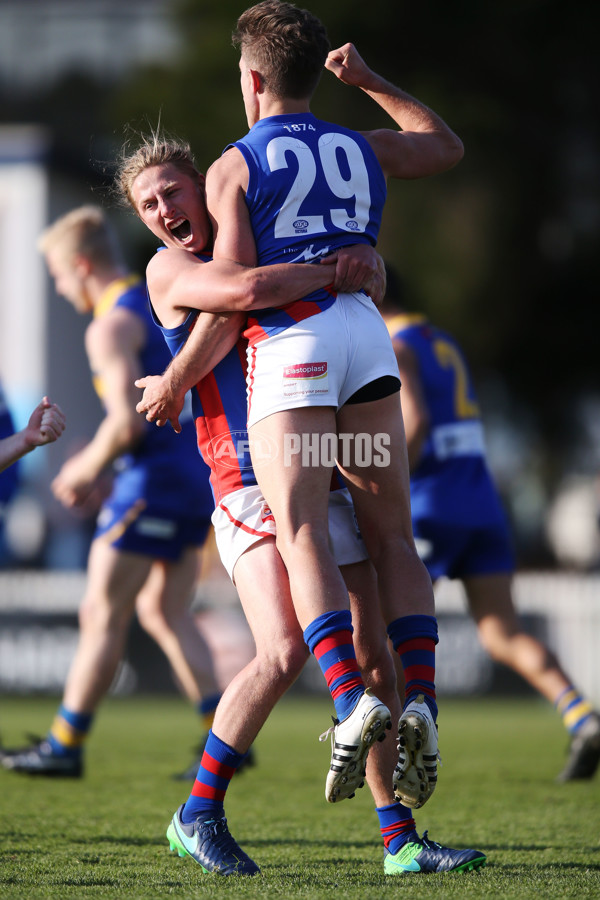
x: 351, y: 741
x: 415, y: 775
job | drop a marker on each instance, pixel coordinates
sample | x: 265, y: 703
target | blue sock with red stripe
x: 397, y: 826
x: 414, y: 638
x: 217, y: 767
x: 329, y: 638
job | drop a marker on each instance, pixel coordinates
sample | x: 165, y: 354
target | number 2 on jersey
x: 290, y: 221
x: 449, y: 357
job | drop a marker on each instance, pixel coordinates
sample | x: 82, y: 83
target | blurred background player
x: 145, y: 551
x: 458, y: 521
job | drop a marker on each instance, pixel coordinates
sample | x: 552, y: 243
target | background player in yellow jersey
x: 144, y: 555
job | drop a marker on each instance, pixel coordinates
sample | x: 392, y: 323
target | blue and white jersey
x: 313, y: 187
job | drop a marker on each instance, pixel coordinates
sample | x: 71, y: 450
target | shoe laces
x: 222, y: 837
x: 330, y: 731
x: 429, y: 845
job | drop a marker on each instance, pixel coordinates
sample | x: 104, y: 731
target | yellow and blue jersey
x: 458, y: 519
x: 163, y: 470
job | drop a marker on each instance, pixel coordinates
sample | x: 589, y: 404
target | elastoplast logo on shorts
x: 306, y: 371
x: 235, y: 450
x: 305, y: 379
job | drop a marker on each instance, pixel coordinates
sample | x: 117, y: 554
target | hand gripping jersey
x: 162, y: 469
x: 313, y: 187
x: 452, y: 485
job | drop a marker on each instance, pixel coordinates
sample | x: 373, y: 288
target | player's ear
x: 82, y: 265
x: 256, y: 81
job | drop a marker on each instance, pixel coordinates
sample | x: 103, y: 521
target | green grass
x: 103, y: 836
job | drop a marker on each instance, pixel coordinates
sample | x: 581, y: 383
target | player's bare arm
x: 226, y: 185
x: 179, y: 281
x: 211, y: 338
x: 414, y: 406
x: 112, y: 345
x: 424, y: 146
x: 46, y: 424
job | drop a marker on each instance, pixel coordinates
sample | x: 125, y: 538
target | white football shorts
x: 242, y: 518
x: 320, y: 361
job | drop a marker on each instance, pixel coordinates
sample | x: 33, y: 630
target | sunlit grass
x: 103, y: 835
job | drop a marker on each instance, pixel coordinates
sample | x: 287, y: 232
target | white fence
x: 38, y: 630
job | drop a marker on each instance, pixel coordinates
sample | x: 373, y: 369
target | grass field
x: 103, y: 836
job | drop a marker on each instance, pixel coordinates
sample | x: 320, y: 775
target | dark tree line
x: 502, y: 250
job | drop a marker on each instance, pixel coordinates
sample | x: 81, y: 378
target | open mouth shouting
x: 181, y: 230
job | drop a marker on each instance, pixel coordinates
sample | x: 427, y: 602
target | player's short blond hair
x: 84, y: 231
x: 153, y: 149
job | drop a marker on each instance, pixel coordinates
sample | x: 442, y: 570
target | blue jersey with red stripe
x: 451, y: 482
x: 163, y: 466
x: 220, y: 413
x: 313, y: 187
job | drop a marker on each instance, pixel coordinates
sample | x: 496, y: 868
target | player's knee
x: 150, y: 615
x: 284, y: 660
x: 301, y: 542
x: 97, y: 614
x: 384, y: 545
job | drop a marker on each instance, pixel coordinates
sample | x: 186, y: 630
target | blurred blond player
x: 144, y: 555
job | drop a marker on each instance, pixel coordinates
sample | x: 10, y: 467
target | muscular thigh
x: 114, y: 577
x: 295, y: 481
x: 374, y: 463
